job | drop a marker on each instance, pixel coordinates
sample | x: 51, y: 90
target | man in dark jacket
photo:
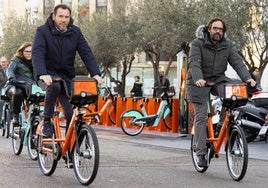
x: 209, y: 55
x: 54, y: 48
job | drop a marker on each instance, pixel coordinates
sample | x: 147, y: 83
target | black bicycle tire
x: 7, y: 121
x: 17, y: 145
x: 165, y: 119
x: 52, y: 169
x: 29, y: 145
x: 237, y: 131
x: 3, y: 128
x: 88, y: 132
x: 194, y: 158
x: 125, y: 129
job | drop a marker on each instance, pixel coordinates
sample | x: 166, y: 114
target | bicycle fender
x: 166, y: 112
x: 132, y: 113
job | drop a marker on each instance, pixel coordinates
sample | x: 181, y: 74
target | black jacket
x: 53, y: 52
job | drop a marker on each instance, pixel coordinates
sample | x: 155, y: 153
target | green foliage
x: 16, y: 30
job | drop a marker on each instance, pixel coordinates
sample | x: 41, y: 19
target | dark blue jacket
x: 53, y: 52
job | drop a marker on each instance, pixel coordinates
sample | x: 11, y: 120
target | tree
x: 16, y: 30
x: 112, y: 37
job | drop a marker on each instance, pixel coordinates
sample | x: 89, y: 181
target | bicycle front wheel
x: 7, y: 122
x: 129, y: 125
x: 195, y: 158
x: 237, y: 153
x: 17, y: 140
x: 86, y: 155
x: 46, y: 159
x: 3, y: 128
x: 167, y: 117
x: 32, y: 143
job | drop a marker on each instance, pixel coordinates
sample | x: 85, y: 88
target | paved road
x: 148, y: 160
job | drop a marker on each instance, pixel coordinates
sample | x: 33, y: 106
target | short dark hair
x: 62, y: 6
x: 216, y: 20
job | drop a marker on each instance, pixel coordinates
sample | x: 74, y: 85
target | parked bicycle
x: 29, y: 118
x: 133, y: 121
x: 6, y: 117
x: 231, y: 134
x: 109, y: 107
x: 80, y: 144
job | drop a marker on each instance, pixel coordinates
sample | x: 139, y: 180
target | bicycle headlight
x: 83, y: 94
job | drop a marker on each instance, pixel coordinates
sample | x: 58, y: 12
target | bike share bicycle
x: 29, y: 118
x: 109, y: 106
x: 6, y: 116
x: 133, y: 121
x: 231, y: 134
x: 80, y: 140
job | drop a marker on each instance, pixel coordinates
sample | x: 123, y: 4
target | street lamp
x: 32, y: 7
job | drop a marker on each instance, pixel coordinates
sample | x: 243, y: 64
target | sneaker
x: 202, y: 162
x: 48, y: 129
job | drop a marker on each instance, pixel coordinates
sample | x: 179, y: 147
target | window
x: 101, y: 6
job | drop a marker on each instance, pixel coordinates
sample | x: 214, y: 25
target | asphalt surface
x: 149, y: 160
x: 257, y: 149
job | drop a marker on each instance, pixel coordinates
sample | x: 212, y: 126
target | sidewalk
x: 257, y: 150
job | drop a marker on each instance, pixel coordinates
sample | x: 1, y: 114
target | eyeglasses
x: 26, y: 51
x: 217, y: 29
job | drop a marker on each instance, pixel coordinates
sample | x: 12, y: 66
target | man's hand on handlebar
x: 251, y: 82
x: 46, y: 78
x: 99, y: 79
x: 200, y: 83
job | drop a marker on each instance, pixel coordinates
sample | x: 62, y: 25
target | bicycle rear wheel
x: 17, y: 140
x: 86, y: 155
x: 167, y: 117
x: 46, y: 160
x: 3, y: 128
x: 237, y: 153
x: 195, y: 158
x: 32, y: 143
x: 128, y: 126
x: 7, y: 122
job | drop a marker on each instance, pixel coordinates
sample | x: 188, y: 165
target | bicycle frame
x: 159, y: 114
x: 67, y: 142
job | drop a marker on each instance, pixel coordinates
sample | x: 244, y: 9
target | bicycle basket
x: 84, y: 90
x: 235, y: 95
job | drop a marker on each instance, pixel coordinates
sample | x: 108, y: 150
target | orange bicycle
x: 235, y: 143
x: 80, y: 144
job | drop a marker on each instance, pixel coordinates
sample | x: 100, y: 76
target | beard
x: 216, y: 37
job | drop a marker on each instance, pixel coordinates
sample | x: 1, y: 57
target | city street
x: 151, y: 159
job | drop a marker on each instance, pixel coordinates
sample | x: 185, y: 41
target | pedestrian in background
x: 136, y: 90
x: 255, y: 74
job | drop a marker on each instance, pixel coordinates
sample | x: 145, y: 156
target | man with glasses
x: 209, y: 56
